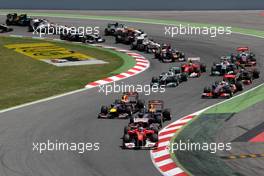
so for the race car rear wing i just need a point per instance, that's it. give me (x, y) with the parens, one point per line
(194, 59)
(243, 49)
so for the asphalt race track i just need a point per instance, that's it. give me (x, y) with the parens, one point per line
(73, 118)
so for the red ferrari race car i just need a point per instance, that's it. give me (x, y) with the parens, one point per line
(140, 138)
(223, 89)
(124, 108)
(245, 58)
(194, 68)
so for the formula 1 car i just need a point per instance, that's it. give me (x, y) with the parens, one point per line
(194, 68)
(4, 28)
(143, 43)
(140, 138)
(166, 79)
(246, 76)
(91, 38)
(152, 46)
(112, 28)
(172, 78)
(128, 35)
(167, 54)
(46, 27)
(245, 57)
(124, 108)
(144, 119)
(224, 67)
(178, 71)
(223, 89)
(19, 20)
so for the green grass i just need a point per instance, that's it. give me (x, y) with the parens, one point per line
(23, 79)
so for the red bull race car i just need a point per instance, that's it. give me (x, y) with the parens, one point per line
(124, 108)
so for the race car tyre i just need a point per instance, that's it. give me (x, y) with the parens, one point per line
(140, 104)
(106, 32)
(155, 129)
(166, 114)
(255, 74)
(131, 120)
(104, 109)
(203, 68)
(129, 111)
(154, 79)
(158, 120)
(154, 138)
(117, 101)
(8, 22)
(132, 46)
(239, 86)
(184, 77)
(207, 90)
(126, 129)
(117, 40)
(126, 138)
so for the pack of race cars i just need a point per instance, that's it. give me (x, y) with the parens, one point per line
(237, 70)
(145, 120)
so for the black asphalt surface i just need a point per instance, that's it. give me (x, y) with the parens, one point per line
(73, 118)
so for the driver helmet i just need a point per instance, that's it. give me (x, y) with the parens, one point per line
(124, 98)
(140, 115)
(152, 108)
(222, 82)
(140, 129)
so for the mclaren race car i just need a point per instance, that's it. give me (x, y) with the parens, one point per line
(18, 20)
(124, 108)
(112, 28)
(223, 89)
(5, 28)
(245, 57)
(194, 68)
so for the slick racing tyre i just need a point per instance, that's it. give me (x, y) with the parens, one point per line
(166, 115)
(203, 68)
(239, 86)
(126, 138)
(104, 109)
(154, 138)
